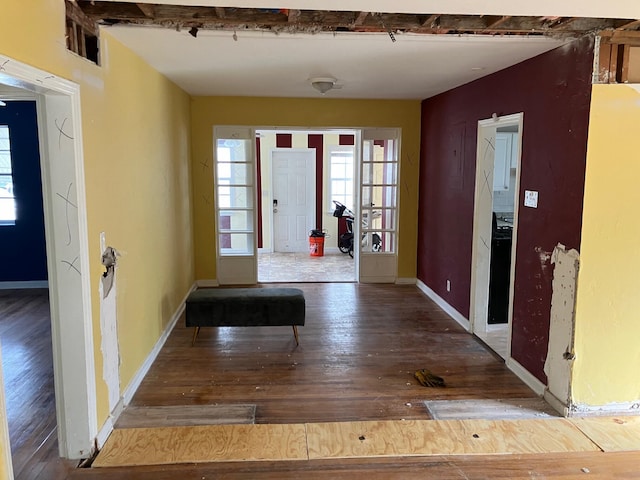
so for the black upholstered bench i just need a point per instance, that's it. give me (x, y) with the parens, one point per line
(245, 307)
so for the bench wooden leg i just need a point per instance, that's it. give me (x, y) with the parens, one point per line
(196, 330)
(295, 334)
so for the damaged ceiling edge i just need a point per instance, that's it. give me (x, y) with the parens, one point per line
(278, 20)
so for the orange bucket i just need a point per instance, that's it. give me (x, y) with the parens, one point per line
(316, 246)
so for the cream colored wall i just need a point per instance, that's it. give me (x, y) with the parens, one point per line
(312, 113)
(329, 222)
(607, 305)
(136, 136)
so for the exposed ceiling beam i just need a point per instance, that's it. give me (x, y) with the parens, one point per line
(312, 21)
(361, 18)
(147, 9)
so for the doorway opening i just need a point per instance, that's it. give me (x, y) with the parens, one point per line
(300, 173)
(358, 164)
(495, 230)
(67, 251)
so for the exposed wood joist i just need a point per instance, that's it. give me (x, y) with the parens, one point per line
(494, 22)
(312, 21)
(147, 9)
(294, 16)
(76, 14)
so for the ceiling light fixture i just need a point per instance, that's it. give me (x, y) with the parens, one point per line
(323, 84)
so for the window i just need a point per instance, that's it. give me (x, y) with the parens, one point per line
(341, 176)
(7, 199)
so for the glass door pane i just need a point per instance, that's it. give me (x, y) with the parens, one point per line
(379, 205)
(235, 205)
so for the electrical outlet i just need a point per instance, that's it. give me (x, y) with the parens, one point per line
(448, 285)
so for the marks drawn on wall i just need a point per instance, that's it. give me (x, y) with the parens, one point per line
(205, 165)
(66, 209)
(61, 132)
(3, 65)
(71, 265)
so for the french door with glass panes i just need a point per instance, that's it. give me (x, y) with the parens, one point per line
(378, 224)
(234, 184)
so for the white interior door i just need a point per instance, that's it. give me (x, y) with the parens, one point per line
(376, 227)
(294, 198)
(486, 186)
(234, 185)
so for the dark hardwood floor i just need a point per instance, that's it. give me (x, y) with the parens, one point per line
(357, 354)
(27, 363)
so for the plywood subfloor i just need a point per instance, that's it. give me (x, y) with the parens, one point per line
(444, 437)
(611, 434)
(186, 415)
(211, 443)
(499, 409)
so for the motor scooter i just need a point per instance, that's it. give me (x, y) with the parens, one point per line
(345, 241)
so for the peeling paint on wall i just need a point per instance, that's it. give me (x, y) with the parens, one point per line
(109, 328)
(560, 354)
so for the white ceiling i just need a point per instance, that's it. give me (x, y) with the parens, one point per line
(366, 65)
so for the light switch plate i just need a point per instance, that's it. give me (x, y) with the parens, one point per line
(530, 199)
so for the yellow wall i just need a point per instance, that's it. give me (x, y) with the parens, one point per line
(136, 136)
(608, 305)
(313, 113)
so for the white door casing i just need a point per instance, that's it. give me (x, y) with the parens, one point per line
(482, 223)
(294, 198)
(59, 128)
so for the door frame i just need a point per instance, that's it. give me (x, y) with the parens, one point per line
(66, 233)
(482, 221)
(310, 168)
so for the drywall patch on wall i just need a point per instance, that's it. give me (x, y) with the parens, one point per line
(560, 353)
(109, 328)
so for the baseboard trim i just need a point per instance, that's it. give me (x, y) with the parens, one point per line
(103, 434)
(556, 403)
(523, 374)
(448, 309)
(406, 281)
(611, 409)
(135, 382)
(20, 285)
(206, 283)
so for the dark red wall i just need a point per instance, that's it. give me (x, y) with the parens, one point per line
(554, 92)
